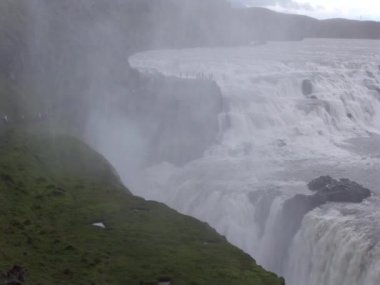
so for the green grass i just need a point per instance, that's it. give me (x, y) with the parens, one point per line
(52, 188)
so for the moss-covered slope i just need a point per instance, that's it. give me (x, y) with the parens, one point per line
(53, 188)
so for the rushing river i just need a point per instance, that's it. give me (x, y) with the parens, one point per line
(273, 140)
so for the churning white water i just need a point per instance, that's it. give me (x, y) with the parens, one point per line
(273, 139)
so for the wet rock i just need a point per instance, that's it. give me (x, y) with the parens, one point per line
(320, 182)
(326, 189)
(344, 190)
(307, 87)
(170, 110)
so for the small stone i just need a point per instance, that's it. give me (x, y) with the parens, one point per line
(99, 225)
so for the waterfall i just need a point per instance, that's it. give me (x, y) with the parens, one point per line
(273, 140)
(337, 246)
(233, 151)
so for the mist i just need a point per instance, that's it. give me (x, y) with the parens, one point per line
(199, 105)
(77, 66)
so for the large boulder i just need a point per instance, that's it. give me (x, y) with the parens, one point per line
(320, 182)
(344, 190)
(326, 189)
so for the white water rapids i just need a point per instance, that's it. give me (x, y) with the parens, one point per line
(273, 140)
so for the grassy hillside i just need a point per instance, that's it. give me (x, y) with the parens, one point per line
(53, 188)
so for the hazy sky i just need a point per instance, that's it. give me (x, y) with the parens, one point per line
(353, 9)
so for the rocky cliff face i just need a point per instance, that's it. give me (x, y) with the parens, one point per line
(180, 117)
(165, 119)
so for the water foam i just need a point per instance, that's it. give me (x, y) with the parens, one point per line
(272, 139)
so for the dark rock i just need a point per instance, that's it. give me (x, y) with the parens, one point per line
(307, 87)
(344, 190)
(298, 206)
(327, 189)
(320, 182)
(170, 111)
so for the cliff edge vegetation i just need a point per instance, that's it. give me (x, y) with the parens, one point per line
(66, 218)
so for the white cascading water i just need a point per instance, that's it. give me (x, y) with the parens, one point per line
(273, 140)
(337, 246)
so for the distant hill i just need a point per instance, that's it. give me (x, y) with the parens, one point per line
(146, 24)
(271, 25)
(342, 28)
